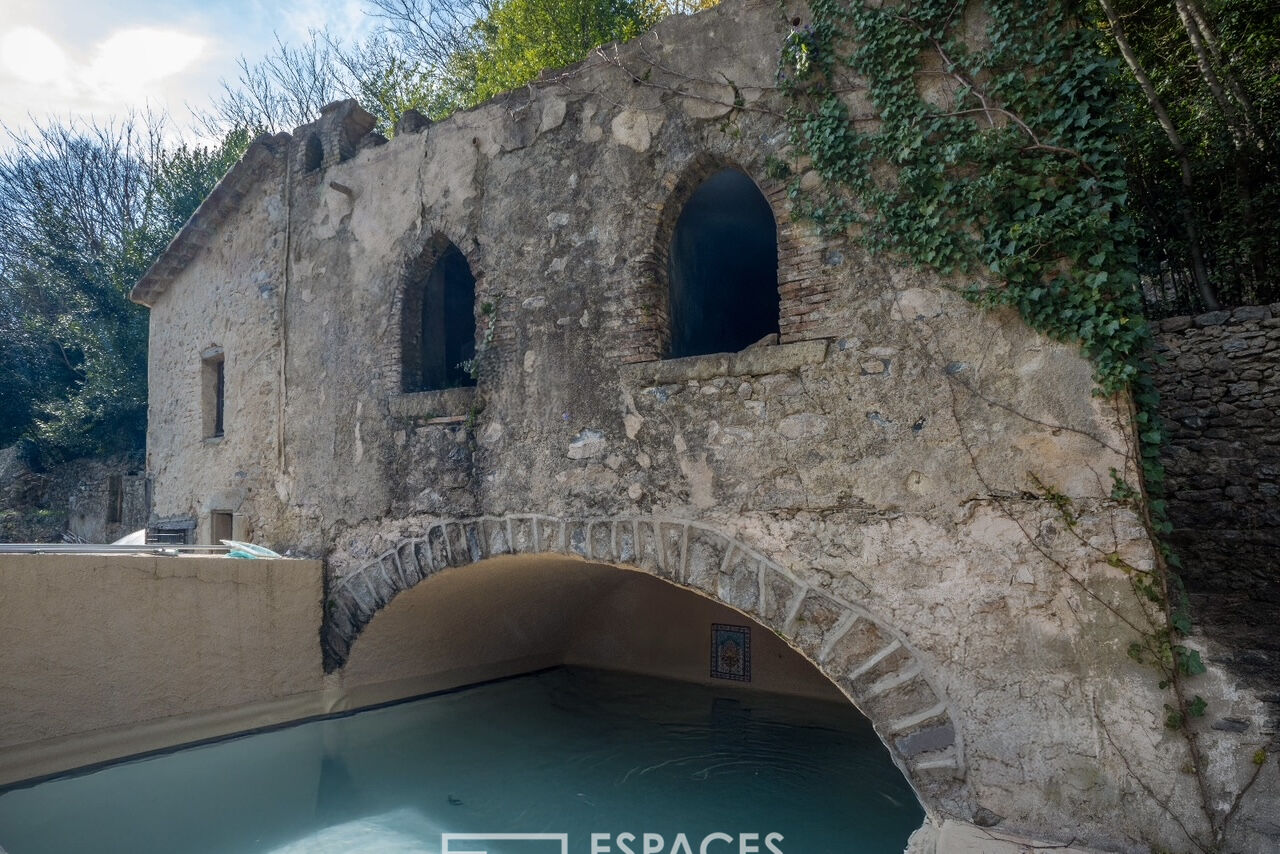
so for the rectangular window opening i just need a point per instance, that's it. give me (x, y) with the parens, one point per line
(176, 532)
(220, 383)
(213, 393)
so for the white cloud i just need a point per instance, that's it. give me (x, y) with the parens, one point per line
(128, 63)
(130, 68)
(32, 56)
(70, 58)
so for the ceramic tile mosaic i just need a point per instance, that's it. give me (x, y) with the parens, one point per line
(730, 652)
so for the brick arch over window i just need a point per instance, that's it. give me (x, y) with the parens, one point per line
(645, 333)
(437, 319)
(872, 663)
(722, 268)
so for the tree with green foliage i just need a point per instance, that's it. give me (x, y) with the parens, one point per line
(1203, 149)
(521, 38)
(84, 210)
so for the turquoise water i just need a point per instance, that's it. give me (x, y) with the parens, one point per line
(574, 752)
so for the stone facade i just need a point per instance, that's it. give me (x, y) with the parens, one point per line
(1220, 394)
(83, 500)
(1220, 391)
(871, 484)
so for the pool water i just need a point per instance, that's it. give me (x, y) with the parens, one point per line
(568, 751)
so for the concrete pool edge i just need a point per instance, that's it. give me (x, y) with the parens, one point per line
(34, 762)
(81, 753)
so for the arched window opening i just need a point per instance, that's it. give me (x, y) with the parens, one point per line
(313, 156)
(439, 326)
(723, 268)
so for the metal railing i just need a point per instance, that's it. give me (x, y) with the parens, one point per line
(108, 548)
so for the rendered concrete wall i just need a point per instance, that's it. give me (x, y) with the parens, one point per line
(890, 454)
(111, 656)
(509, 617)
(646, 625)
(105, 656)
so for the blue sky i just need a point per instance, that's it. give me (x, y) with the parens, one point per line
(61, 58)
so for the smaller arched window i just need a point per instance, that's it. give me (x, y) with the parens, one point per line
(722, 268)
(438, 324)
(313, 154)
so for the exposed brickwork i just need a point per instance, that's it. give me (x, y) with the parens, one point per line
(640, 319)
(805, 282)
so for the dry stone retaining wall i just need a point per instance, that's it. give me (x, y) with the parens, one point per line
(1220, 390)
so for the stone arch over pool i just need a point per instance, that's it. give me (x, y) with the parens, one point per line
(870, 661)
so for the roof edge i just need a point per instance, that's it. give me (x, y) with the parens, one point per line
(197, 231)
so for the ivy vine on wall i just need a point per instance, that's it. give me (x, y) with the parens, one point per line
(995, 163)
(979, 140)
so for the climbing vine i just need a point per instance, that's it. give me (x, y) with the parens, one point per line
(995, 164)
(980, 142)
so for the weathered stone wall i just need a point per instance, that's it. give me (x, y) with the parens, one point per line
(883, 467)
(232, 303)
(86, 500)
(1220, 390)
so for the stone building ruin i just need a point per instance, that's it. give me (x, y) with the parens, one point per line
(851, 461)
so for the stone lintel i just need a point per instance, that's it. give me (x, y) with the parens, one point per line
(754, 361)
(447, 405)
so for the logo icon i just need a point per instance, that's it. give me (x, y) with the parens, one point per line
(478, 843)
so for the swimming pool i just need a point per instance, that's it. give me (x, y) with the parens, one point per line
(602, 758)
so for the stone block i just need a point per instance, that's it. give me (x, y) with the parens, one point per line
(739, 584)
(671, 542)
(1247, 313)
(495, 537)
(1211, 318)
(578, 542)
(817, 617)
(600, 539)
(779, 596)
(649, 549)
(926, 740)
(625, 534)
(551, 536)
(704, 555)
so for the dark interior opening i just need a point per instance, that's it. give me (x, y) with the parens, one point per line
(115, 499)
(440, 331)
(723, 268)
(313, 157)
(220, 396)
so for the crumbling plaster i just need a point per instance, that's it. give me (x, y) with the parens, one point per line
(891, 451)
